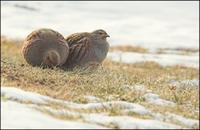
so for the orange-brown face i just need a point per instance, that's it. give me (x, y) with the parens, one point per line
(100, 34)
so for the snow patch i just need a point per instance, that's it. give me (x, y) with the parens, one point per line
(121, 122)
(121, 105)
(182, 120)
(149, 96)
(16, 115)
(138, 88)
(125, 122)
(20, 95)
(155, 99)
(162, 59)
(176, 52)
(170, 117)
(151, 25)
(92, 99)
(185, 83)
(20, 116)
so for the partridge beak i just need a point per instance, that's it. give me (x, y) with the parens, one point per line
(107, 35)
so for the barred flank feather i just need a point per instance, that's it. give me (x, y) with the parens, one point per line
(83, 48)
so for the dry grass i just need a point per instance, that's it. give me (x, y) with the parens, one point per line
(138, 49)
(180, 51)
(128, 48)
(107, 80)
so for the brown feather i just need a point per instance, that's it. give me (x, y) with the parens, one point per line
(78, 51)
(75, 38)
(86, 48)
(45, 47)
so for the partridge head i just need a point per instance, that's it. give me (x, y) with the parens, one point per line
(99, 34)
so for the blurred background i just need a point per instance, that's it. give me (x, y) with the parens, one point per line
(147, 24)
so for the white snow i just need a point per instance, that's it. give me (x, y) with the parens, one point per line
(170, 117)
(151, 25)
(162, 59)
(138, 88)
(149, 96)
(122, 122)
(125, 122)
(92, 99)
(20, 95)
(22, 115)
(138, 109)
(182, 120)
(16, 94)
(155, 99)
(178, 52)
(110, 105)
(168, 24)
(185, 83)
(24, 96)
(196, 110)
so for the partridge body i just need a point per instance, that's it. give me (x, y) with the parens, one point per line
(87, 48)
(46, 48)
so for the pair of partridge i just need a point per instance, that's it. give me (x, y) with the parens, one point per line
(48, 48)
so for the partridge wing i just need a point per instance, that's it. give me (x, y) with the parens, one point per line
(78, 51)
(76, 38)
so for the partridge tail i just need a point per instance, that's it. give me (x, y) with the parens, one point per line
(51, 58)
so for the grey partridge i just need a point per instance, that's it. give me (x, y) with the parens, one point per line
(86, 48)
(45, 48)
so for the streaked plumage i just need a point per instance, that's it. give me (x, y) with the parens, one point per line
(86, 48)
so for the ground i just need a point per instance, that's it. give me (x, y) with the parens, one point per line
(143, 92)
